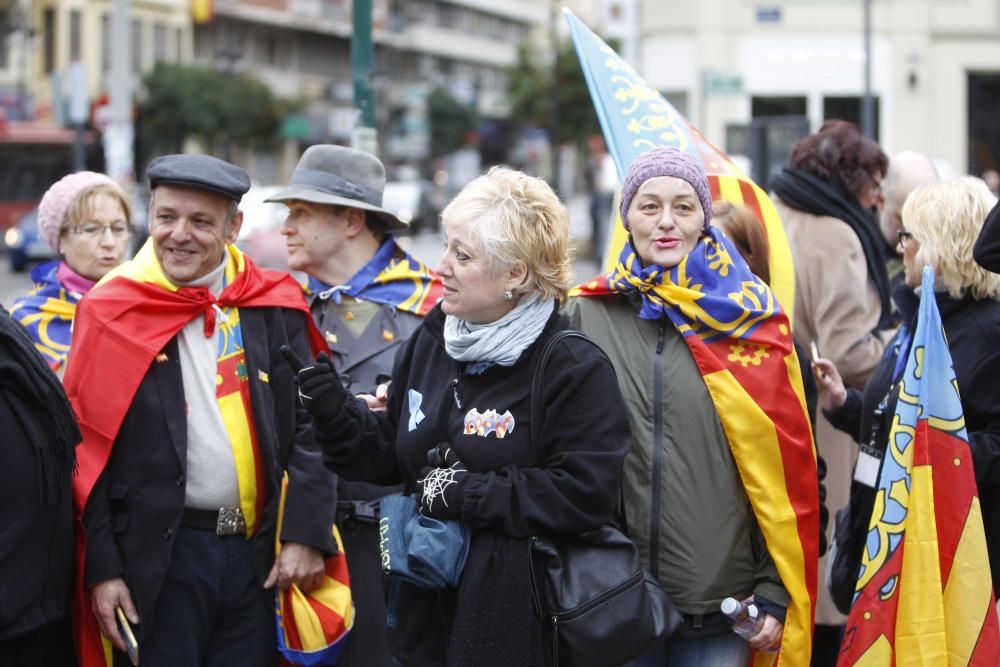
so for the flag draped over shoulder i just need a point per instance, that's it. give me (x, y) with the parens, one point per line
(741, 340)
(120, 327)
(925, 594)
(47, 313)
(636, 118)
(392, 277)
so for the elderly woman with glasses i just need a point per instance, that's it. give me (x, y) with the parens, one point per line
(940, 225)
(705, 361)
(86, 218)
(457, 426)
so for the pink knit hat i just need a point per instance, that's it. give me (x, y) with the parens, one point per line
(666, 161)
(57, 199)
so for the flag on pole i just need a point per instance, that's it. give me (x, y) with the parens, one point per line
(202, 11)
(925, 594)
(635, 118)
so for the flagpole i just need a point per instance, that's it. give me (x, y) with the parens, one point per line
(868, 102)
(554, 111)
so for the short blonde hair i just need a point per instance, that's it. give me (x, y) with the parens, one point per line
(517, 218)
(82, 206)
(945, 219)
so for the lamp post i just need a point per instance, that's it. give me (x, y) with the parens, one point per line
(867, 101)
(364, 136)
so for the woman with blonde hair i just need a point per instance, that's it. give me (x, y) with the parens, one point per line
(87, 219)
(457, 426)
(940, 225)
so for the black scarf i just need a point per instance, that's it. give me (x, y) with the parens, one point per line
(41, 406)
(806, 192)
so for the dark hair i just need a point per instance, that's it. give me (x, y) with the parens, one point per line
(741, 225)
(839, 151)
(375, 224)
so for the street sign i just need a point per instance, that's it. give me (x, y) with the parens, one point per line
(720, 84)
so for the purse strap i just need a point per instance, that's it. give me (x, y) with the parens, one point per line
(536, 381)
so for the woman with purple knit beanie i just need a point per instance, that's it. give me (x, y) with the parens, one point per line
(673, 315)
(86, 218)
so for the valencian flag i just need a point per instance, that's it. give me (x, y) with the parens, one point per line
(925, 594)
(392, 277)
(635, 117)
(47, 313)
(738, 333)
(313, 628)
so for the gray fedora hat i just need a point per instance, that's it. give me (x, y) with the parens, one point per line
(339, 176)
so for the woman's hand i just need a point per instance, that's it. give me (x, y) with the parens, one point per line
(832, 392)
(377, 402)
(769, 637)
(320, 389)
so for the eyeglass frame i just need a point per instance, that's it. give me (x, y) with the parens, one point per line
(903, 235)
(78, 230)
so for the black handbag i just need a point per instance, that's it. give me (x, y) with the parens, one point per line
(602, 607)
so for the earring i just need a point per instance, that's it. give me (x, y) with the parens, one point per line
(508, 295)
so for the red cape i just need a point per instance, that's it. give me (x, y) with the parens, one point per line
(119, 328)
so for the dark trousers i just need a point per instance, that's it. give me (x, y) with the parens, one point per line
(367, 645)
(211, 611)
(48, 646)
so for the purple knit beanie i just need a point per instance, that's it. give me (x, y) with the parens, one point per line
(57, 199)
(666, 161)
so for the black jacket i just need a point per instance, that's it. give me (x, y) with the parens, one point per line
(571, 486)
(36, 539)
(972, 329)
(987, 249)
(134, 510)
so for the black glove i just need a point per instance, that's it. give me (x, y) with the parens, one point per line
(320, 389)
(440, 485)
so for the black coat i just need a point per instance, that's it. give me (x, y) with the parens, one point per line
(36, 539)
(972, 329)
(135, 507)
(987, 249)
(571, 486)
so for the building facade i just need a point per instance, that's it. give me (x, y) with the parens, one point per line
(935, 68)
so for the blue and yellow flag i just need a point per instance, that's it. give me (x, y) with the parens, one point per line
(47, 313)
(392, 277)
(635, 118)
(925, 593)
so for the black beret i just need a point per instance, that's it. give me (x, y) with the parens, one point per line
(199, 171)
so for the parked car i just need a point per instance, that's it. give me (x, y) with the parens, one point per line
(24, 247)
(260, 237)
(413, 201)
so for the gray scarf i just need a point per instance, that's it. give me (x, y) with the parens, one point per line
(500, 342)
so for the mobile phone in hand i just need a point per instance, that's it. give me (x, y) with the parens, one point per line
(125, 630)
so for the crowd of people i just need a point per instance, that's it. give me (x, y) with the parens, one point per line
(173, 419)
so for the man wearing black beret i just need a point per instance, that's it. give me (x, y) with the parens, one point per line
(190, 421)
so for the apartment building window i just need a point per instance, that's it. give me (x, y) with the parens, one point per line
(49, 40)
(847, 108)
(159, 42)
(136, 46)
(761, 106)
(105, 42)
(75, 36)
(5, 30)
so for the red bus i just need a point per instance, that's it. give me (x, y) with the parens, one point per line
(33, 156)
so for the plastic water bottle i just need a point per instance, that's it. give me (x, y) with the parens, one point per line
(747, 618)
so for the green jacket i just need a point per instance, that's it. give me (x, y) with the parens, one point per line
(694, 526)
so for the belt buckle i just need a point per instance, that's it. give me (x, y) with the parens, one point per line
(230, 522)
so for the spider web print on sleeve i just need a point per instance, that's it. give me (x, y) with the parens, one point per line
(436, 482)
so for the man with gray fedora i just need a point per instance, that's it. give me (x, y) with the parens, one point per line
(366, 296)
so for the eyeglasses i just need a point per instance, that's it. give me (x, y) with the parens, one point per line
(904, 236)
(92, 230)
